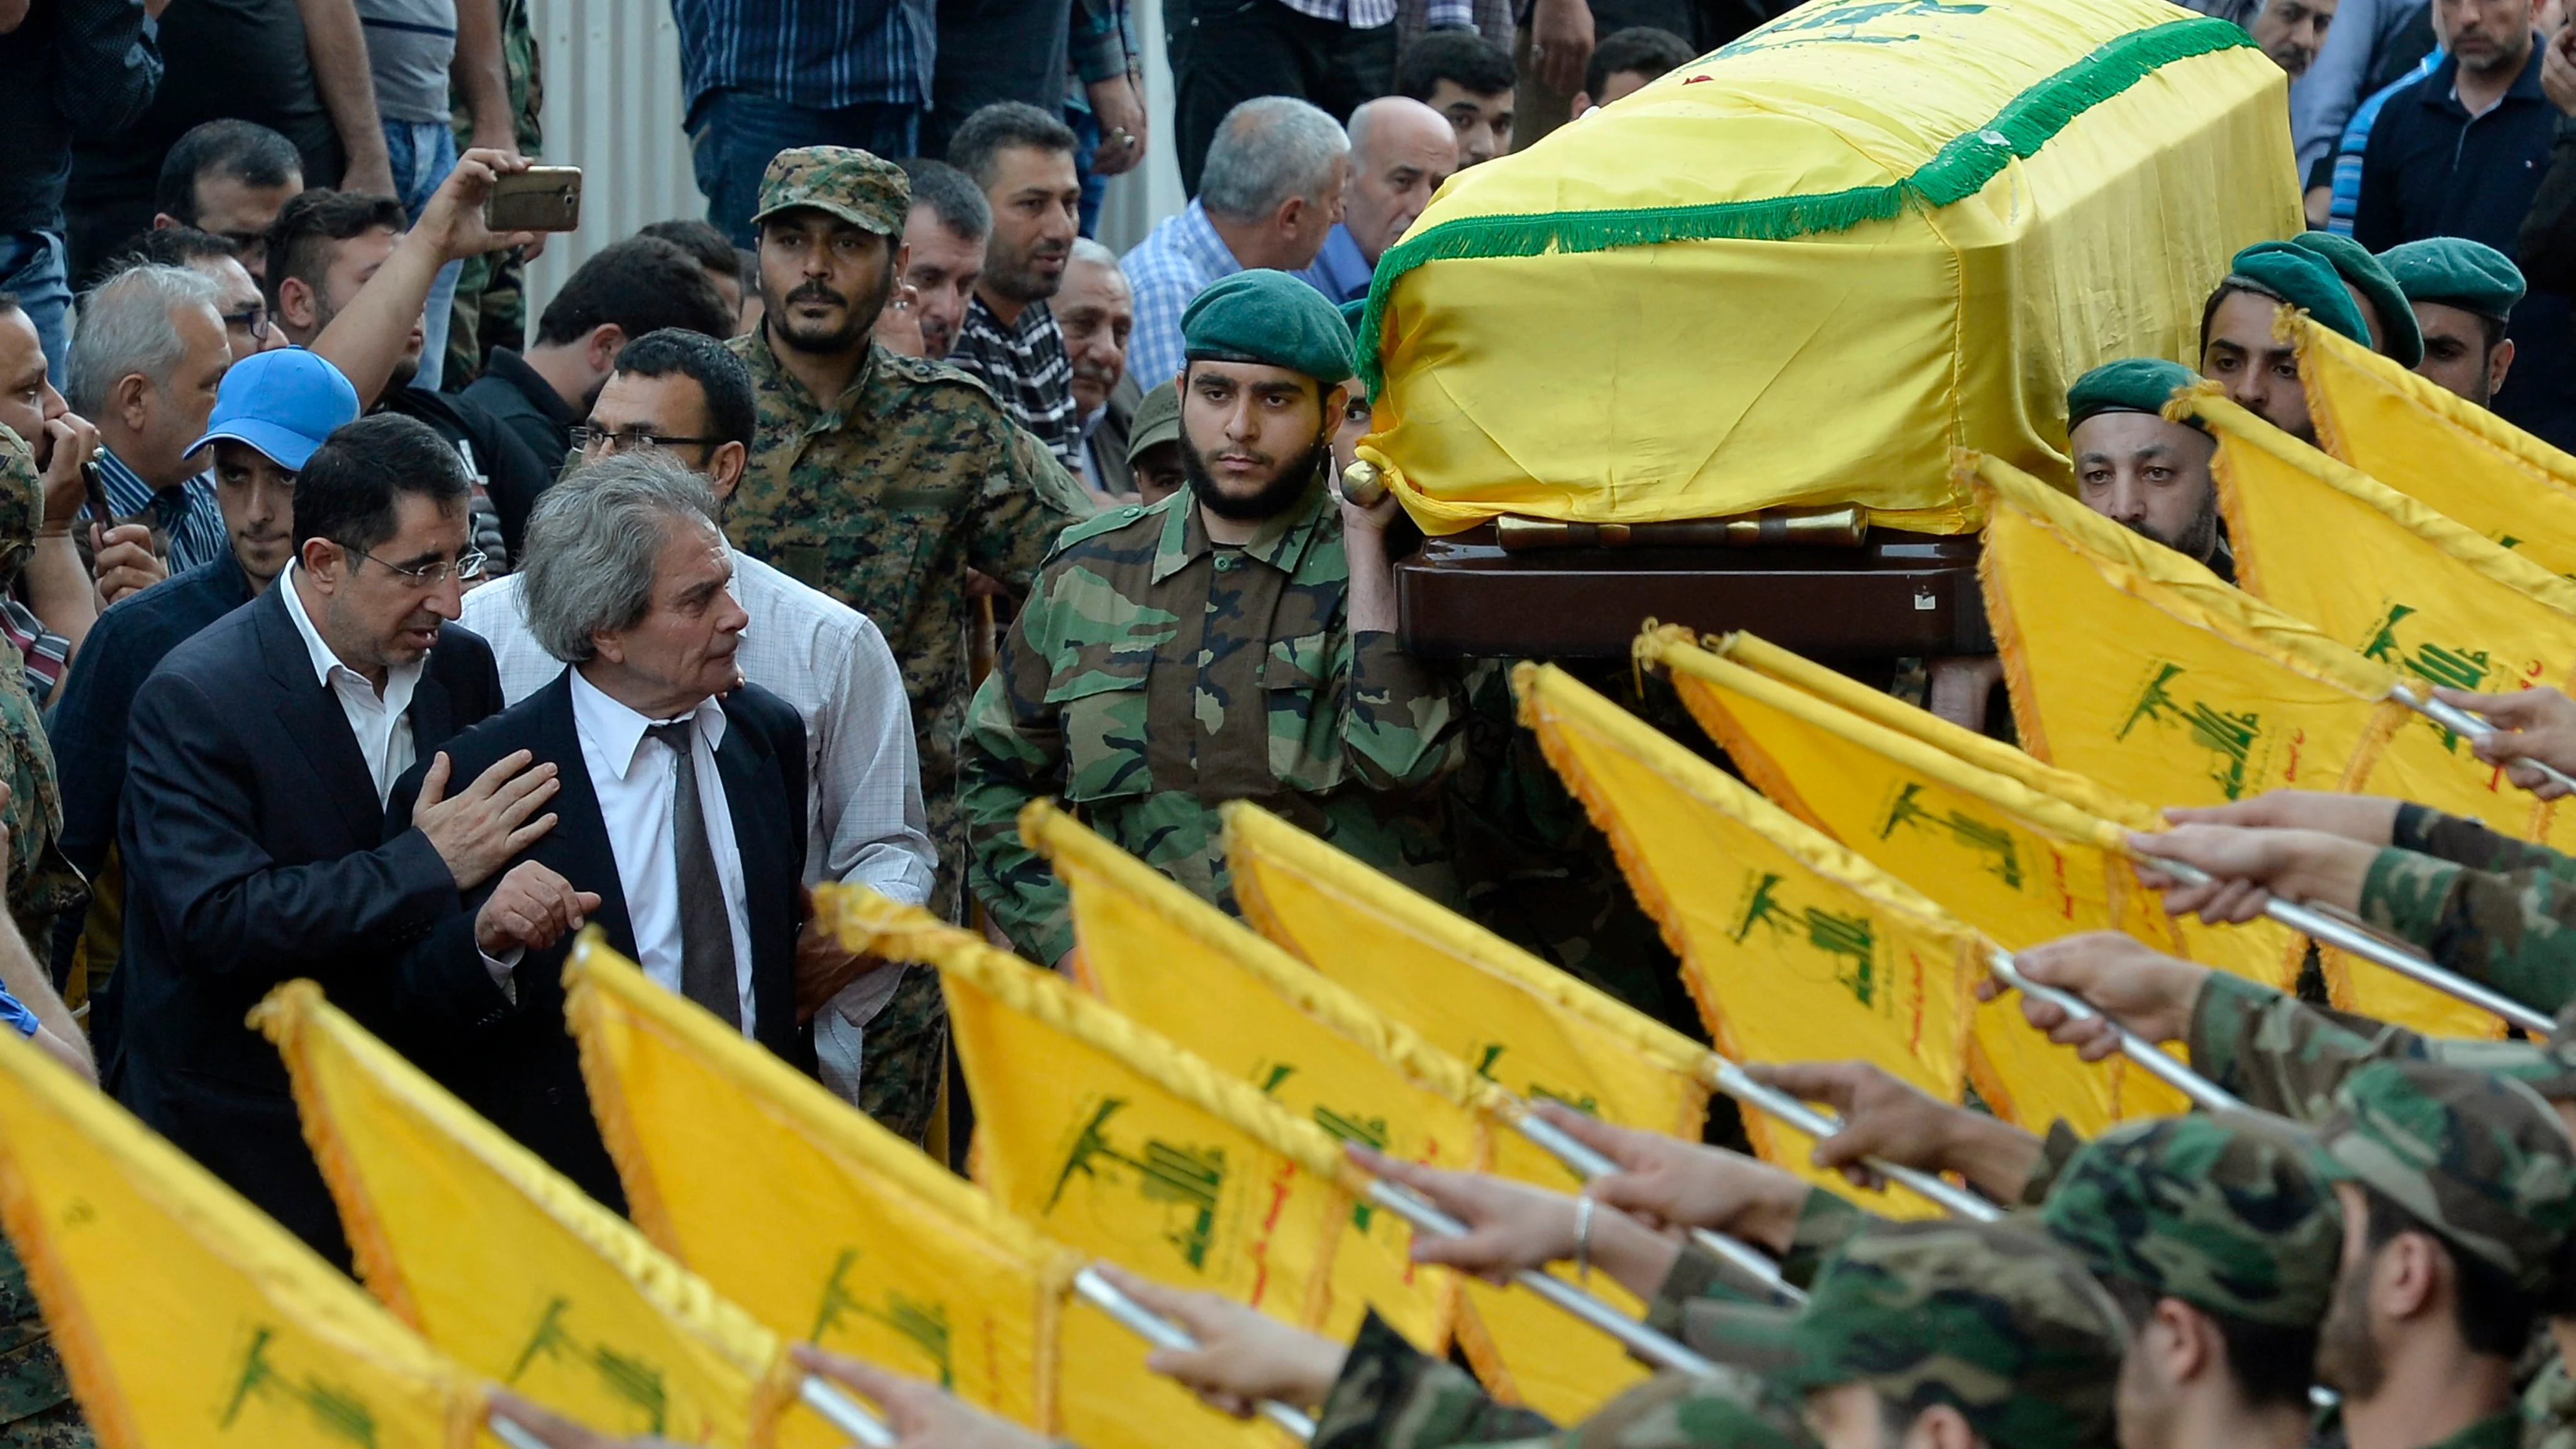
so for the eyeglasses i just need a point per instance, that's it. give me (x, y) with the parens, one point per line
(431, 575)
(252, 319)
(587, 439)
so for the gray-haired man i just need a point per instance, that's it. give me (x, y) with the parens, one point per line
(878, 1037)
(680, 826)
(144, 365)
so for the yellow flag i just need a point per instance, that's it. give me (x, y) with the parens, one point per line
(1795, 948)
(2135, 666)
(1176, 965)
(864, 1245)
(182, 1313)
(2020, 865)
(2259, 949)
(1537, 1030)
(502, 1263)
(2437, 447)
(1115, 1141)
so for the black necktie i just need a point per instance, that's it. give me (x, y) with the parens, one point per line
(706, 932)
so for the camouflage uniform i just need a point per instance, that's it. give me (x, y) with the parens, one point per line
(2493, 909)
(2281, 1055)
(36, 1411)
(491, 308)
(1989, 1318)
(886, 496)
(1154, 675)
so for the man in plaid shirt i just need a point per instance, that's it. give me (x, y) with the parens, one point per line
(1022, 158)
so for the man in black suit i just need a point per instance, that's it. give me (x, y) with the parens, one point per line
(682, 817)
(252, 825)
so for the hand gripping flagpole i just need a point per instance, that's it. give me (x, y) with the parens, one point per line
(2353, 940)
(2203, 1092)
(1739, 1084)
(1649, 1344)
(2463, 722)
(1162, 1332)
(1589, 1164)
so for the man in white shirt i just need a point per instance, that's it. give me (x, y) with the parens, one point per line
(252, 825)
(677, 392)
(682, 818)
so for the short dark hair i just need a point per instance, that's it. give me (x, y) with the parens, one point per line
(1640, 48)
(1479, 66)
(2209, 309)
(1004, 126)
(2492, 329)
(2495, 1316)
(248, 152)
(347, 490)
(2271, 1363)
(312, 222)
(639, 285)
(951, 195)
(732, 415)
(709, 248)
(172, 246)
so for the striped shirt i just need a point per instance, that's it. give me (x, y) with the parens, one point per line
(1026, 367)
(2356, 140)
(821, 54)
(1370, 14)
(1177, 260)
(187, 515)
(45, 651)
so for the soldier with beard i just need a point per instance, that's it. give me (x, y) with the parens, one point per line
(1234, 641)
(2134, 467)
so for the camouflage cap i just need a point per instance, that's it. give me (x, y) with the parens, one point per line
(2226, 1212)
(848, 183)
(1993, 1319)
(2481, 1159)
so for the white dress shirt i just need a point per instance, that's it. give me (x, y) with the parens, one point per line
(382, 723)
(864, 817)
(633, 774)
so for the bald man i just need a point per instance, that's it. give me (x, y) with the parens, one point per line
(1401, 150)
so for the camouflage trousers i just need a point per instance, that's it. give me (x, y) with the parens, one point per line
(905, 1056)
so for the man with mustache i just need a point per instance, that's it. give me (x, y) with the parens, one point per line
(881, 479)
(1234, 641)
(1022, 158)
(2142, 472)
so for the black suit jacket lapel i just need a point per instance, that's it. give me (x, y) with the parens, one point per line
(315, 721)
(753, 799)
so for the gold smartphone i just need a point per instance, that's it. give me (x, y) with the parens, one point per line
(541, 198)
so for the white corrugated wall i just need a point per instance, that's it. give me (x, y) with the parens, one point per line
(613, 108)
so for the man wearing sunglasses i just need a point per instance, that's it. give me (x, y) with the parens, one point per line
(260, 756)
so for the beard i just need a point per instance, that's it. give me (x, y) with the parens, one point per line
(2348, 1358)
(1016, 275)
(2197, 541)
(1275, 497)
(858, 316)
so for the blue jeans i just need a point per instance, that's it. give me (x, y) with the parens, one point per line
(423, 152)
(734, 134)
(31, 265)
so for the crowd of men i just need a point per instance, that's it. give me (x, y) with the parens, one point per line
(363, 633)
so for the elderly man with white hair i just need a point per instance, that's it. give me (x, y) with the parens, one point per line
(1271, 190)
(1097, 310)
(145, 361)
(1401, 150)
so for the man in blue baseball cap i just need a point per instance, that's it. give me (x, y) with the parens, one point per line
(272, 410)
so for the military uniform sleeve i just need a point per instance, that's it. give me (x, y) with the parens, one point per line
(2279, 1054)
(2427, 831)
(1026, 503)
(1392, 1396)
(2510, 930)
(1012, 753)
(1825, 1221)
(1403, 719)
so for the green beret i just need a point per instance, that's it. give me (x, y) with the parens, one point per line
(2130, 385)
(2453, 271)
(1157, 420)
(2367, 275)
(1270, 318)
(2301, 278)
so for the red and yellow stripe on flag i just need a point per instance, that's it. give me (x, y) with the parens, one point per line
(2439, 448)
(1795, 948)
(504, 1264)
(186, 1316)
